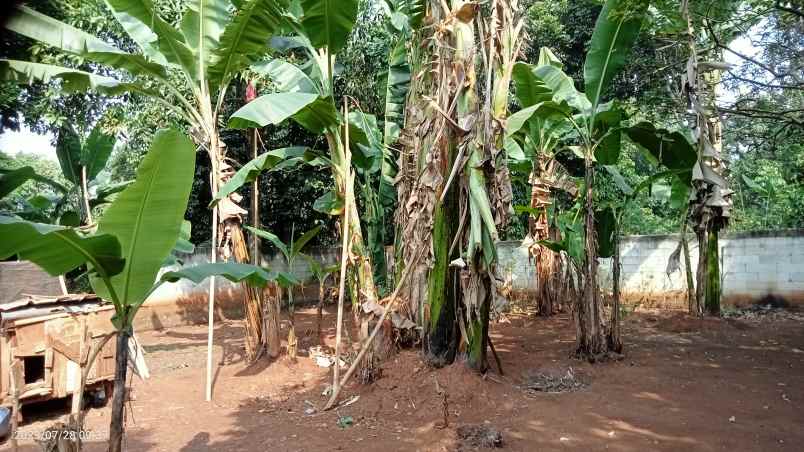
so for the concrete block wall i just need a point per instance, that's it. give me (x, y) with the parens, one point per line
(754, 266)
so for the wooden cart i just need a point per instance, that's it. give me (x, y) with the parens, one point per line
(47, 339)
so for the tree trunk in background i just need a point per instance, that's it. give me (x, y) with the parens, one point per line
(319, 313)
(685, 248)
(253, 308)
(615, 342)
(85, 197)
(117, 423)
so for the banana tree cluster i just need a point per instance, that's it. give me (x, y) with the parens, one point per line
(305, 93)
(81, 159)
(594, 133)
(453, 183)
(187, 68)
(532, 150)
(125, 252)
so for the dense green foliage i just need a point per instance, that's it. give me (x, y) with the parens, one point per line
(763, 148)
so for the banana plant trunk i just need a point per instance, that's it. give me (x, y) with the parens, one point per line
(590, 343)
(453, 192)
(615, 342)
(117, 423)
(546, 259)
(319, 312)
(713, 274)
(710, 208)
(364, 294)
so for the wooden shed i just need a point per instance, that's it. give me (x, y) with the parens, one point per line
(48, 337)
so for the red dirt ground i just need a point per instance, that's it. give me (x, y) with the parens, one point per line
(685, 384)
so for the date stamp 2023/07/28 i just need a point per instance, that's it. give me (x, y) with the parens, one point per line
(50, 435)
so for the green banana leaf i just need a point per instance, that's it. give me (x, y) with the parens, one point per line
(330, 203)
(202, 24)
(96, 151)
(234, 272)
(287, 77)
(106, 193)
(163, 42)
(47, 30)
(245, 38)
(68, 152)
(72, 80)
(269, 161)
(299, 244)
(273, 238)
(528, 88)
(328, 23)
(309, 110)
(10, 180)
(671, 149)
(58, 249)
(365, 141)
(615, 32)
(147, 216)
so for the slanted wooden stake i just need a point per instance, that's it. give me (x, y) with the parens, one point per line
(337, 385)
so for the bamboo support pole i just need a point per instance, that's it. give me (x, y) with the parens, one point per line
(211, 308)
(344, 261)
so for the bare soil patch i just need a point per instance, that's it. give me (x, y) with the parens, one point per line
(684, 384)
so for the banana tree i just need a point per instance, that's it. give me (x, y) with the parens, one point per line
(81, 161)
(43, 207)
(321, 273)
(124, 255)
(187, 68)
(306, 94)
(453, 184)
(533, 149)
(710, 208)
(596, 132)
(673, 157)
(290, 252)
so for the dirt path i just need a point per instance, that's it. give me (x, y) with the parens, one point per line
(685, 384)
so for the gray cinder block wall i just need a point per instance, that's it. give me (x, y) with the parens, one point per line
(754, 266)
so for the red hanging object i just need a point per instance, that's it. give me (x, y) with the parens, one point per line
(251, 92)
